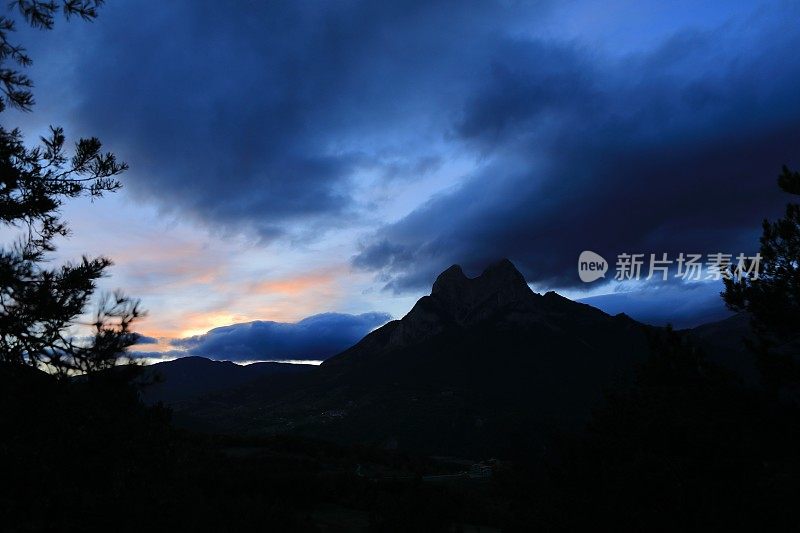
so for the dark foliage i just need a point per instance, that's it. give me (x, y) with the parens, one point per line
(686, 448)
(689, 446)
(41, 305)
(773, 297)
(87, 456)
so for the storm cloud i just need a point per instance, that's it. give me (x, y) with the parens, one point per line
(673, 150)
(507, 129)
(269, 117)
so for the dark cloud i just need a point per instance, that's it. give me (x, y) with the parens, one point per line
(259, 115)
(316, 337)
(264, 116)
(144, 339)
(673, 150)
(681, 305)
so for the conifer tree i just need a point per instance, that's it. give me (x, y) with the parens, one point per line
(41, 306)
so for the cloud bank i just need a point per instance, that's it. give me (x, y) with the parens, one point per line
(315, 337)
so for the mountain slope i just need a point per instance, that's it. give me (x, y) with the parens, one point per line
(192, 377)
(723, 343)
(491, 333)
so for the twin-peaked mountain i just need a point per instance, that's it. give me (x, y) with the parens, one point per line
(481, 365)
(493, 330)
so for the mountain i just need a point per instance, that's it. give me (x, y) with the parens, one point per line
(480, 366)
(193, 377)
(723, 343)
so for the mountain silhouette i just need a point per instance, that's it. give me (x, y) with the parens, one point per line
(724, 343)
(193, 377)
(482, 365)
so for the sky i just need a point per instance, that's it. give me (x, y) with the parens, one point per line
(300, 172)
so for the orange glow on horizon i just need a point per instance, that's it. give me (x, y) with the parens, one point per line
(286, 299)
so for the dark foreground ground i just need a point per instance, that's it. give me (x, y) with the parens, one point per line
(686, 447)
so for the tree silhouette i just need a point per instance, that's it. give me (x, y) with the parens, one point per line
(773, 297)
(40, 306)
